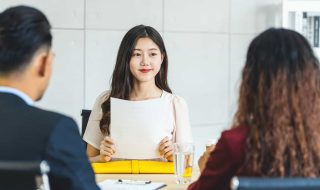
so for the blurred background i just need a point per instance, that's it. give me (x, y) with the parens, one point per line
(206, 42)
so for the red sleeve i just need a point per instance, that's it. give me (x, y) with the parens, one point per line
(222, 165)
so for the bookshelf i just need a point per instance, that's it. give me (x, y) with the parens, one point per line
(303, 16)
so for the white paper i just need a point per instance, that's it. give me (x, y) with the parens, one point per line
(137, 127)
(114, 185)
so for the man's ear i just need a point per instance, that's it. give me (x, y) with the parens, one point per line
(43, 63)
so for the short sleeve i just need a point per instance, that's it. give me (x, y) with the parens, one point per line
(182, 122)
(93, 134)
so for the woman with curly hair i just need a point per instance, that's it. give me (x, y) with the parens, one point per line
(276, 130)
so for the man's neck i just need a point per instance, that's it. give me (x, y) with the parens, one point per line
(16, 92)
(18, 85)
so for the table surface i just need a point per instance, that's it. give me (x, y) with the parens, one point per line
(168, 179)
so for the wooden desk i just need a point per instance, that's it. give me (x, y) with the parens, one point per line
(164, 178)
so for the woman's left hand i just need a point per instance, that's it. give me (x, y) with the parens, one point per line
(204, 158)
(166, 148)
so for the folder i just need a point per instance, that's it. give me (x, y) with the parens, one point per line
(133, 167)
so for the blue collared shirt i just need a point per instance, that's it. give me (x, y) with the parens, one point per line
(18, 93)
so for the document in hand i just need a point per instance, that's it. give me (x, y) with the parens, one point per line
(129, 185)
(137, 127)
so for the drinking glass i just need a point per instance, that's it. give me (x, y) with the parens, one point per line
(183, 154)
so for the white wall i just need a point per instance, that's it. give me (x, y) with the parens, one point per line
(206, 42)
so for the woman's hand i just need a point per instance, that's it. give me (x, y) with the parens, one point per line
(204, 158)
(166, 148)
(107, 149)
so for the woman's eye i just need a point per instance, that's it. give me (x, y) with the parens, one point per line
(136, 54)
(153, 54)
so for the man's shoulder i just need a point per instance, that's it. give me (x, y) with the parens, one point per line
(50, 119)
(48, 114)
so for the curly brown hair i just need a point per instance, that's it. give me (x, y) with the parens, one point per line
(279, 102)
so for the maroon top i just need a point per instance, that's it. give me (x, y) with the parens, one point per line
(224, 162)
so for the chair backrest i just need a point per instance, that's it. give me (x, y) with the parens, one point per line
(85, 114)
(261, 183)
(26, 175)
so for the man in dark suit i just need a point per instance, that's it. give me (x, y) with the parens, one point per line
(27, 132)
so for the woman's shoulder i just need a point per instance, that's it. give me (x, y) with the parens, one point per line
(237, 133)
(176, 99)
(235, 138)
(103, 96)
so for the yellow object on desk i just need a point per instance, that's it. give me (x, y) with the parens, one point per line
(133, 167)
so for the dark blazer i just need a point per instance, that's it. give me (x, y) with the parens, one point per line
(224, 162)
(30, 133)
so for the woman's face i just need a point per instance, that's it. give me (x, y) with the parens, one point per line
(146, 60)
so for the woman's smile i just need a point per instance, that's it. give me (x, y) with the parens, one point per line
(145, 70)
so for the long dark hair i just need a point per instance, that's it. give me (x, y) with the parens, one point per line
(122, 79)
(280, 104)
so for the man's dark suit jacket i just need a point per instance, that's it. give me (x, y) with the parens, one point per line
(224, 162)
(30, 133)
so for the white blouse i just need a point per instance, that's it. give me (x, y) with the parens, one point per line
(180, 128)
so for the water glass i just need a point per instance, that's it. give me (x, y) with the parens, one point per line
(183, 154)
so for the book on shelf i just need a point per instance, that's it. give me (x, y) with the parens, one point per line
(316, 32)
(310, 27)
(304, 24)
(307, 24)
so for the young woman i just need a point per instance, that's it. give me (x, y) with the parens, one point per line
(140, 74)
(276, 130)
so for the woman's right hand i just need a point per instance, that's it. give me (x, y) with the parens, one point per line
(107, 149)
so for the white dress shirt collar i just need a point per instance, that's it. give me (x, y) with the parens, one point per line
(18, 93)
